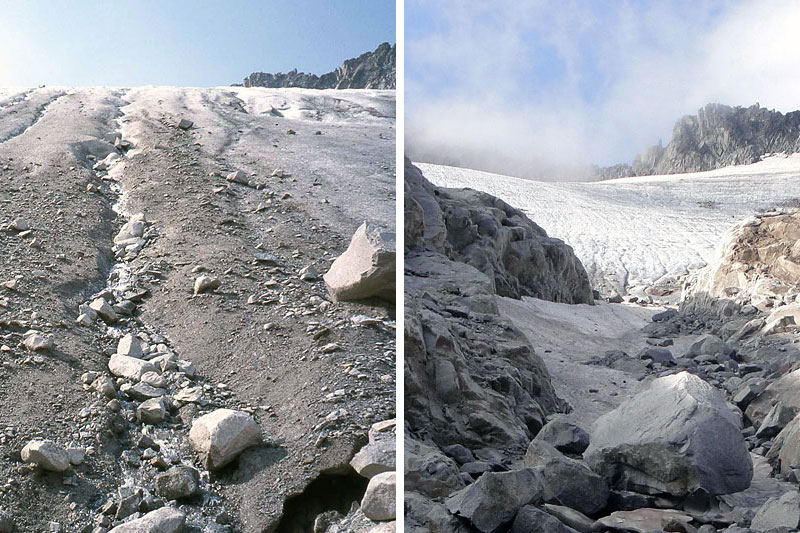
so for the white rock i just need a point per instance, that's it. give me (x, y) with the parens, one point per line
(152, 411)
(237, 177)
(19, 224)
(46, 454)
(379, 500)
(35, 341)
(206, 284)
(103, 310)
(219, 437)
(76, 455)
(129, 367)
(367, 268)
(154, 379)
(130, 346)
(164, 520)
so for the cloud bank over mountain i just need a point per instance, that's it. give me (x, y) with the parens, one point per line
(535, 89)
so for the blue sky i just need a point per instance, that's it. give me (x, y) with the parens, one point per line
(180, 42)
(575, 82)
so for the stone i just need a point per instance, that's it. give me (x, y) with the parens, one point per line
(367, 268)
(564, 436)
(378, 502)
(531, 519)
(460, 453)
(185, 124)
(676, 437)
(641, 520)
(661, 356)
(492, 502)
(130, 346)
(777, 512)
(143, 391)
(237, 176)
(76, 455)
(19, 224)
(429, 471)
(375, 458)
(664, 315)
(105, 386)
(309, 273)
(35, 341)
(710, 345)
(103, 310)
(46, 454)
(152, 411)
(163, 520)
(220, 436)
(572, 518)
(206, 284)
(154, 379)
(132, 229)
(178, 482)
(129, 367)
(567, 481)
(777, 419)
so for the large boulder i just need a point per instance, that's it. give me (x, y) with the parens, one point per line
(786, 447)
(164, 520)
(220, 436)
(531, 519)
(129, 367)
(430, 472)
(367, 268)
(491, 503)
(677, 437)
(566, 481)
(564, 436)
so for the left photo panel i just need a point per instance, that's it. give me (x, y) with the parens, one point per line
(197, 267)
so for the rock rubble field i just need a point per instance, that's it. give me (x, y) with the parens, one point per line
(532, 407)
(171, 356)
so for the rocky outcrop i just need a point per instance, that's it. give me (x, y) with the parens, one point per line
(718, 136)
(758, 263)
(474, 386)
(371, 70)
(498, 240)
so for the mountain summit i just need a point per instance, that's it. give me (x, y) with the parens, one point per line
(371, 70)
(718, 136)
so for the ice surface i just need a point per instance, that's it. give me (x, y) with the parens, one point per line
(633, 231)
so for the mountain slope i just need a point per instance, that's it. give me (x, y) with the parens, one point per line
(371, 70)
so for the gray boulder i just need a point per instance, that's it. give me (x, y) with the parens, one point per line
(565, 437)
(778, 512)
(676, 437)
(178, 482)
(47, 455)
(378, 502)
(492, 502)
(566, 481)
(429, 471)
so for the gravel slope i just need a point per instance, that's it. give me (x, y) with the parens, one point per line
(333, 181)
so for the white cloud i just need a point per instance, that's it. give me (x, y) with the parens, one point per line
(650, 66)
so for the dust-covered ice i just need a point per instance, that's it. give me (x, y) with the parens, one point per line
(633, 231)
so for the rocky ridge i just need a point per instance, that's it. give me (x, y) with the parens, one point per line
(717, 136)
(371, 70)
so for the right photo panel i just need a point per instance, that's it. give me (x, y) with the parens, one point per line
(602, 267)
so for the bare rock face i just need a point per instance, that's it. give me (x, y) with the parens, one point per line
(499, 240)
(371, 70)
(717, 136)
(367, 268)
(758, 262)
(220, 436)
(677, 437)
